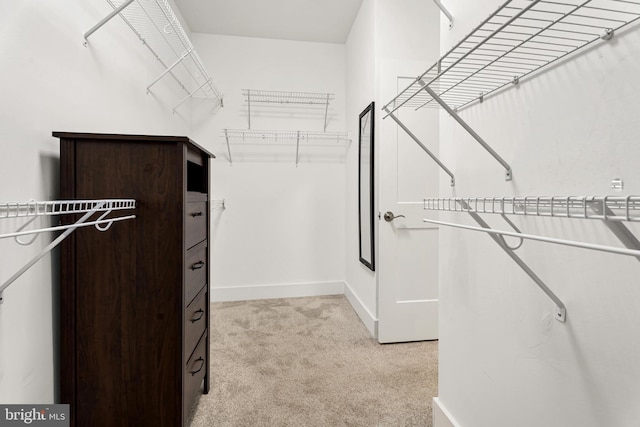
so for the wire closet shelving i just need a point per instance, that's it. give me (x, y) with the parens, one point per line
(157, 26)
(520, 38)
(517, 40)
(606, 208)
(32, 210)
(301, 137)
(250, 136)
(288, 98)
(612, 210)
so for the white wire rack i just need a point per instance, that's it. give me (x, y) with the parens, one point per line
(288, 98)
(613, 210)
(284, 97)
(34, 209)
(608, 208)
(518, 39)
(249, 136)
(157, 26)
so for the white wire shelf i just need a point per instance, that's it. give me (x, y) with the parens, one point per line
(608, 208)
(157, 26)
(59, 207)
(284, 97)
(613, 210)
(250, 136)
(34, 209)
(521, 37)
(288, 98)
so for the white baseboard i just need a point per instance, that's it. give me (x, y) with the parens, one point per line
(441, 416)
(368, 319)
(290, 290)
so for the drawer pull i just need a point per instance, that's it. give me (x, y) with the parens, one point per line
(201, 360)
(195, 214)
(198, 265)
(195, 319)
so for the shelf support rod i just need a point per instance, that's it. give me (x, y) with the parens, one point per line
(326, 112)
(104, 20)
(190, 95)
(171, 67)
(426, 150)
(68, 230)
(469, 129)
(297, 147)
(617, 228)
(249, 106)
(561, 310)
(226, 136)
(445, 12)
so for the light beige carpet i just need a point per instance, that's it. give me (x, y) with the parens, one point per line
(311, 362)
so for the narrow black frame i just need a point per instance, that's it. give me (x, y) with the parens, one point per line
(365, 187)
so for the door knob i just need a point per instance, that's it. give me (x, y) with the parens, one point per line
(389, 216)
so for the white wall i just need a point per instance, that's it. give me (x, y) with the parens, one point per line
(50, 82)
(361, 91)
(389, 39)
(504, 360)
(282, 232)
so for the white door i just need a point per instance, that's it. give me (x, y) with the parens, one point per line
(407, 247)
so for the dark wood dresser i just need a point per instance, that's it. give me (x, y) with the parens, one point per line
(134, 300)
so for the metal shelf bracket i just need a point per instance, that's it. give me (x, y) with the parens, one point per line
(168, 70)
(35, 209)
(417, 141)
(560, 312)
(445, 12)
(104, 20)
(508, 175)
(612, 210)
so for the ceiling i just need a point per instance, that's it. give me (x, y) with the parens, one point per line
(327, 21)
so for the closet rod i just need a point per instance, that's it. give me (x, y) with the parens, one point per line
(602, 248)
(107, 221)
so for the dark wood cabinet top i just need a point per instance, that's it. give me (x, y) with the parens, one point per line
(79, 136)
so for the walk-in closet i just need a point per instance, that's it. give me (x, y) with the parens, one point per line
(299, 213)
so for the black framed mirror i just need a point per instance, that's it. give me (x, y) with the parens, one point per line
(365, 186)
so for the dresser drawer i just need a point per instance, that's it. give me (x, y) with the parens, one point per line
(195, 271)
(195, 322)
(195, 223)
(194, 373)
